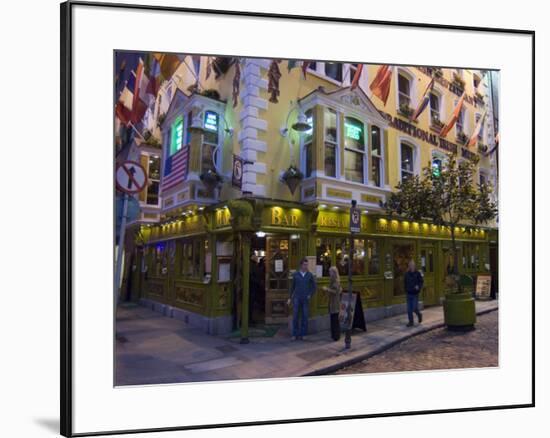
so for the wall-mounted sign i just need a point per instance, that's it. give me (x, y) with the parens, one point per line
(283, 217)
(354, 220)
(211, 121)
(237, 175)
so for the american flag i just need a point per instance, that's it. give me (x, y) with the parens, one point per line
(175, 169)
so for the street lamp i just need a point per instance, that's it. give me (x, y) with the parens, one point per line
(301, 124)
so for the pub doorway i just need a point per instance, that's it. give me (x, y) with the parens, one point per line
(257, 280)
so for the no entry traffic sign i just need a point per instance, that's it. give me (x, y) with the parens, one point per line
(130, 177)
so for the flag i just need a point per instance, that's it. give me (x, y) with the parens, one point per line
(380, 85)
(154, 81)
(123, 113)
(196, 65)
(138, 105)
(424, 101)
(358, 72)
(454, 117)
(169, 63)
(473, 139)
(175, 169)
(305, 65)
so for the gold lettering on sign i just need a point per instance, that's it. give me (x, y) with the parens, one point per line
(280, 218)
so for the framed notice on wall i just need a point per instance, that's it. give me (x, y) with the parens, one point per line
(206, 82)
(483, 286)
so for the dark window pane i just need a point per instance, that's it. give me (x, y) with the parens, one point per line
(376, 142)
(330, 159)
(324, 255)
(308, 159)
(334, 70)
(376, 171)
(407, 158)
(353, 166)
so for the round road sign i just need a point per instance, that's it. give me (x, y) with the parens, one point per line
(130, 177)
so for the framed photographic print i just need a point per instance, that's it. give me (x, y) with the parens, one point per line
(210, 164)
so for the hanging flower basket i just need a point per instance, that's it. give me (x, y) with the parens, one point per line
(210, 179)
(462, 138)
(292, 178)
(406, 110)
(482, 148)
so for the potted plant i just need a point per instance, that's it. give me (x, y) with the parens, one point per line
(461, 137)
(292, 177)
(436, 124)
(439, 197)
(482, 148)
(458, 81)
(406, 110)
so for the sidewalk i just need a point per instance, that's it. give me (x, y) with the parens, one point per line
(152, 349)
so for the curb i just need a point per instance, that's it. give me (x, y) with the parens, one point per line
(363, 356)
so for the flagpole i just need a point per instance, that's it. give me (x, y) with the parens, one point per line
(136, 131)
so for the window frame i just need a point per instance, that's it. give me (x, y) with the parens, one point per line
(410, 78)
(216, 146)
(336, 144)
(303, 153)
(380, 157)
(363, 152)
(414, 148)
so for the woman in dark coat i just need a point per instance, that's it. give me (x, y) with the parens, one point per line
(334, 290)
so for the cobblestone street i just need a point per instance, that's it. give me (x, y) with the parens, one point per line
(438, 349)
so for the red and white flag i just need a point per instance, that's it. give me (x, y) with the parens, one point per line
(454, 117)
(357, 76)
(473, 139)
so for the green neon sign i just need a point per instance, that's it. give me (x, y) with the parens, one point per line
(352, 131)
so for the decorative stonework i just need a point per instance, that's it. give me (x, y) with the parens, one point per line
(252, 124)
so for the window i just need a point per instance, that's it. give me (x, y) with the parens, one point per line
(404, 90)
(477, 81)
(435, 105)
(324, 255)
(358, 262)
(209, 140)
(341, 256)
(373, 257)
(354, 153)
(427, 260)
(153, 175)
(460, 121)
(190, 266)
(407, 161)
(480, 133)
(187, 131)
(176, 141)
(334, 70)
(331, 141)
(376, 156)
(308, 145)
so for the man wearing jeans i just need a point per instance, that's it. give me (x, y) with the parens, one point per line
(413, 285)
(302, 288)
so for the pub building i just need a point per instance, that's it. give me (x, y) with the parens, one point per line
(221, 255)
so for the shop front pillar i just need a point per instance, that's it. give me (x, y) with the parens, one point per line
(245, 240)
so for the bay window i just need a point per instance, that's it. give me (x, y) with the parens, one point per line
(331, 141)
(210, 140)
(354, 150)
(308, 145)
(376, 156)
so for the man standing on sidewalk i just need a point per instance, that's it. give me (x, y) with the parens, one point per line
(413, 285)
(302, 288)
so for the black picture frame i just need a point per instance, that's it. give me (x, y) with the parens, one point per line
(66, 369)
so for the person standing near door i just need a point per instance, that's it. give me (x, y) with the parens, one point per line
(302, 288)
(413, 285)
(334, 289)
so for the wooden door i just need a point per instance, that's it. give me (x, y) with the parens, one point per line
(277, 282)
(428, 267)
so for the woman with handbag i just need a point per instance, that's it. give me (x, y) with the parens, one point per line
(334, 290)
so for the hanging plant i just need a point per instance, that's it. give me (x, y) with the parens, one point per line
(236, 84)
(292, 178)
(210, 179)
(274, 75)
(239, 208)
